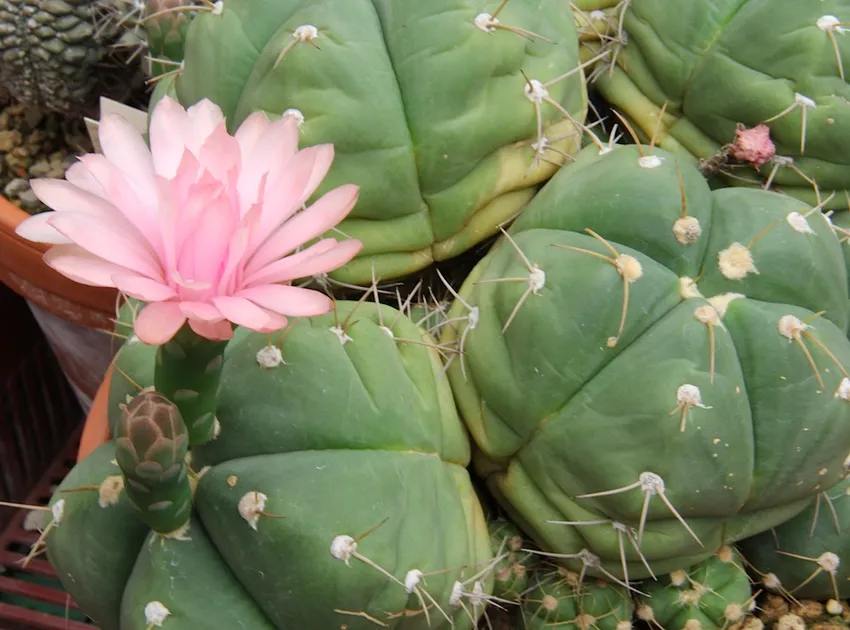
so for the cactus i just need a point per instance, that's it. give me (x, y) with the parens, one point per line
(696, 73)
(559, 598)
(61, 55)
(809, 555)
(714, 594)
(334, 495)
(511, 573)
(447, 114)
(651, 369)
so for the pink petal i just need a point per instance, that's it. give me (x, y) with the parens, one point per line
(323, 164)
(286, 270)
(157, 323)
(242, 312)
(283, 195)
(272, 152)
(220, 152)
(168, 128)
(105, 238)
(319, 247)
(201, 311)
(326, 213)
(141, 213)
(63, 196)
(142, 288)
(276, 322)
(288, 300)
(73, 262)
(250, 131)
(37, 229)
(204, 116)
(215, 331)
(123, 146)
(204, 252)
(79, 176)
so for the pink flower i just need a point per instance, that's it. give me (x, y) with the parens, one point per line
(202, 226)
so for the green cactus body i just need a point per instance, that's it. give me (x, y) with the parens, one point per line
(166, 23)
(335, 495)
(425, 103)
(511, 574)
(809, 555)
(714, 594)
(717, 63)
(562, 599)
(151, 444)
(674, 383)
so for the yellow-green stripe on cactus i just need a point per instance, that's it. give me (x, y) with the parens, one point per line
(712, 64)
(446, 113)
(652, 369)
(714, 594)
(809, 555)
(336, 494)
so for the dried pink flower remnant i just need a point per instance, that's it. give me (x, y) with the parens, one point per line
(753, 145)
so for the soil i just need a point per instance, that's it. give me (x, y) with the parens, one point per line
(36, 145)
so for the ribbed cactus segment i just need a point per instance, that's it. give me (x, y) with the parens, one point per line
(651, 368)
(151, 444)
(714, 594)
(511, 573)
(563, 599)
(188, 370)
(809, 555)
(695, 74)
(475, 104)
(165, 23)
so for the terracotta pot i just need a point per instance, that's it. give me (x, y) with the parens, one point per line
(96, 428)
(72, 316)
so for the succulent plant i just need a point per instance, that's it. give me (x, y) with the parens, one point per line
(447, 114)
(651, 369)
(695, 74)
(61, 55)
(562, 599)
(714, 594)
(808, 556)
(511, 573)
(334, 495)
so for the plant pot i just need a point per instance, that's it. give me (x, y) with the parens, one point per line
(73, 317)
(96, 427)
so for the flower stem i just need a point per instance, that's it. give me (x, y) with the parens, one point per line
(187, 372)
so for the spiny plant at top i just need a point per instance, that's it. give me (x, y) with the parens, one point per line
(755, 90)
(651, 369)
(448, 114)
(301, 458)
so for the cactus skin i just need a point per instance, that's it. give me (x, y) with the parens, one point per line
(810, 534)
(340, 439)
(549, 387)
(165, 25)
(560, 600)
(716, 64)
(714, 594)
(452, 158)
(151, 443)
